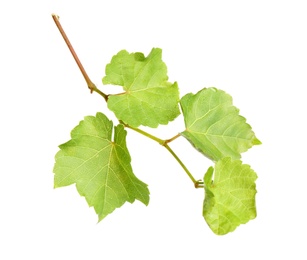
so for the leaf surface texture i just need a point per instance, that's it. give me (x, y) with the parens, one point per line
(148, 98)
(99, 166)
(230, 191)
(214, 126)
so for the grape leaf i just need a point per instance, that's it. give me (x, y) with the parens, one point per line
(148, 99)
(214, 126)
(99, 166)
(230, 197)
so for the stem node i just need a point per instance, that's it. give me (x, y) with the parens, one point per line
(199, 184)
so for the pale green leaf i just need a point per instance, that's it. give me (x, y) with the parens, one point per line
(214, 126)
(148, 98)
(99, 166)
(229, 196)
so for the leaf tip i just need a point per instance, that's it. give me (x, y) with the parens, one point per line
(256, 141)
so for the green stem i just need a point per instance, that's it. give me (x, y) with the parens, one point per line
(181, 163)
(89, 83)
(158, 140)
(101, 93)
(164, 143)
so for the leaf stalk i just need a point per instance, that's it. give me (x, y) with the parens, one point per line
(173, 138)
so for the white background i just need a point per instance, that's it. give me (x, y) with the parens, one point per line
(254, 50)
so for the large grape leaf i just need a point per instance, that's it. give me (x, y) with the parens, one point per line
(99, 166)
(149, 99)
(230, 196)
(214, 126)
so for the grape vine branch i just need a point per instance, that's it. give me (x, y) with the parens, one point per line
(93, 87)
(101, 166)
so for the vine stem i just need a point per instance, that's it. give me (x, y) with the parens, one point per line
(89, 83)
(165, 144)
(181, 164)
(93, 87)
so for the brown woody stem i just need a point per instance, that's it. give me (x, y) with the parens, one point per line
(89, 83)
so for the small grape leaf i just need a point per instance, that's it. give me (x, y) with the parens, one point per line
(214, 126)
(99, 166)
(149, 99)
(230, 197)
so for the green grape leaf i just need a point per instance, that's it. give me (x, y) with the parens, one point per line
(99, 166)
(149, 99)
(230, 196)
(214, 126)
